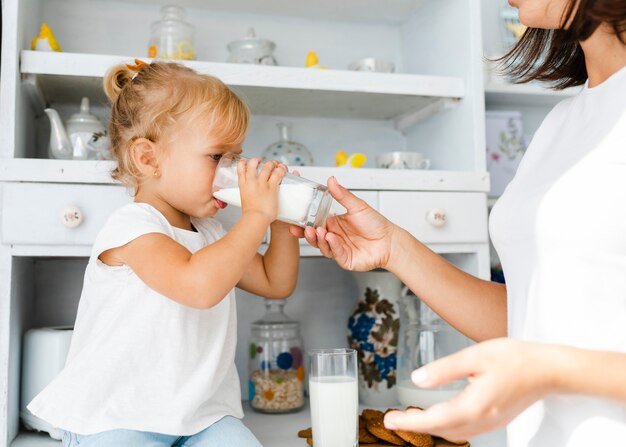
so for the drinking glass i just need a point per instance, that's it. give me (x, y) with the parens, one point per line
(334, 397)
(301, 202)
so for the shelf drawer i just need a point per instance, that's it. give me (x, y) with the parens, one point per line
(438, 217)
(57, 214)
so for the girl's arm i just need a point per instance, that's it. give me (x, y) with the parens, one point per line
(204, 278)
(506, 377)
(274, 275)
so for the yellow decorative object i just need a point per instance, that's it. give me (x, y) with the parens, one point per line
(45, 41)
(312, 61)
(517, 29)
(341, 158)
(355, 160)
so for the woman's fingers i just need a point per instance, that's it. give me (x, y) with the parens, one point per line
(348, 200)
(446, 369)
(443, 419)
(322, 244)
(296, 231)
(338, 249)
(311, 236)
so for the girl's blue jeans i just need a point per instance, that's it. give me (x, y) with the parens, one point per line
(228, 431)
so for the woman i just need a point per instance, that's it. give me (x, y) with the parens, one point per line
(559, 378)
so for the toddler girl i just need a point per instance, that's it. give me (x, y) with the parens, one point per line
(151, 361)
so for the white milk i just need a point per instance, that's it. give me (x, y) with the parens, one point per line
(294, 200)
(411, 395)
(334, 411)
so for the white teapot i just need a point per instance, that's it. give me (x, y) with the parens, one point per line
(84, 137)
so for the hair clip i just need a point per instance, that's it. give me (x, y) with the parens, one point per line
(139, 65)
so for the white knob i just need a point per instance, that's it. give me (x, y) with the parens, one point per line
(436, 217)
(71, 216)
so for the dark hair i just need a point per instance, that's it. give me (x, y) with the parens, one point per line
(555, 56)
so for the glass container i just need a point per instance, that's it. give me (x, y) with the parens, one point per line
(424, 337)
(334, 397)
(252, 50)
(276, 382)
(301, 202)
(172, 37)
(286, 150)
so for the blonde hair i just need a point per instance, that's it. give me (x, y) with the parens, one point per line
(148, 98)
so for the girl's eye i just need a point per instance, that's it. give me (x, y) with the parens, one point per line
(215, 157)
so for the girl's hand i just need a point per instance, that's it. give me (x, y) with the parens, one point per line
(359, 240)
(259, 189)
(505, 377)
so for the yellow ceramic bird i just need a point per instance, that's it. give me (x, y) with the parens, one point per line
(355, 160)
(312, 61)
(45, 41)
(517, 29)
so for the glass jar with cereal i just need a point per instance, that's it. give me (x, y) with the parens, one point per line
(276, 382)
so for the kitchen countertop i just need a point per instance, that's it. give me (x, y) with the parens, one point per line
(273, 430)
(280, 430)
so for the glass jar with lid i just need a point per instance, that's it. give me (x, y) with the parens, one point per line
(172, 37)
(276, 382)
(252, 50)
(424, 337)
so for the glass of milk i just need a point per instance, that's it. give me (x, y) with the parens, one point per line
(334, 397)
(301, 202)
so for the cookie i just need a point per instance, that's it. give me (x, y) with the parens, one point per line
(440, 442)
(370, 415)
(416, 439)
(365, 437)
(306, 433)
(376, 426)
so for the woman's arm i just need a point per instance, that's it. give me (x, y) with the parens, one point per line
(475, 307)
(274, 275)
(362, 239)
(506, 377)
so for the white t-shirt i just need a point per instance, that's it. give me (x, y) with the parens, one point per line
(560, 232)
(139, 360)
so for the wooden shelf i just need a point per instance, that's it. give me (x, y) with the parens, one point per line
(287, 91)
(507, 94)
(98, 172)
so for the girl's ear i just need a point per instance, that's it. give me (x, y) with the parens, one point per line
(145, 157)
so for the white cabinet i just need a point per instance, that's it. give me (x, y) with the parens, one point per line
(434, 104)
(438, 218)
(57, 214)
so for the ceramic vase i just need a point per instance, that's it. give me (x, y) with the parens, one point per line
(373, 330)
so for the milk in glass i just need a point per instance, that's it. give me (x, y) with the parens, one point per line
(334, 411)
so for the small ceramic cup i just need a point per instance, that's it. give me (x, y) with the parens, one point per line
(402, 160)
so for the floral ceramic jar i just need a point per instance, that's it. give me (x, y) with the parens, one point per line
(373, 331)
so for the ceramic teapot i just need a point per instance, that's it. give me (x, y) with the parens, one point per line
(84, 137)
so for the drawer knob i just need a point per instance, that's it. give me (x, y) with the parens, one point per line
(436, 217)
(71, 217)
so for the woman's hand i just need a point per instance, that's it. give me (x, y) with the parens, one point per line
(359, 240)
(505, 377)
(259, 189)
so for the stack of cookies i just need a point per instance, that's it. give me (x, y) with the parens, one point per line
(372, 432)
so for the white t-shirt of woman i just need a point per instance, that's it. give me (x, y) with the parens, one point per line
(560, 232)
